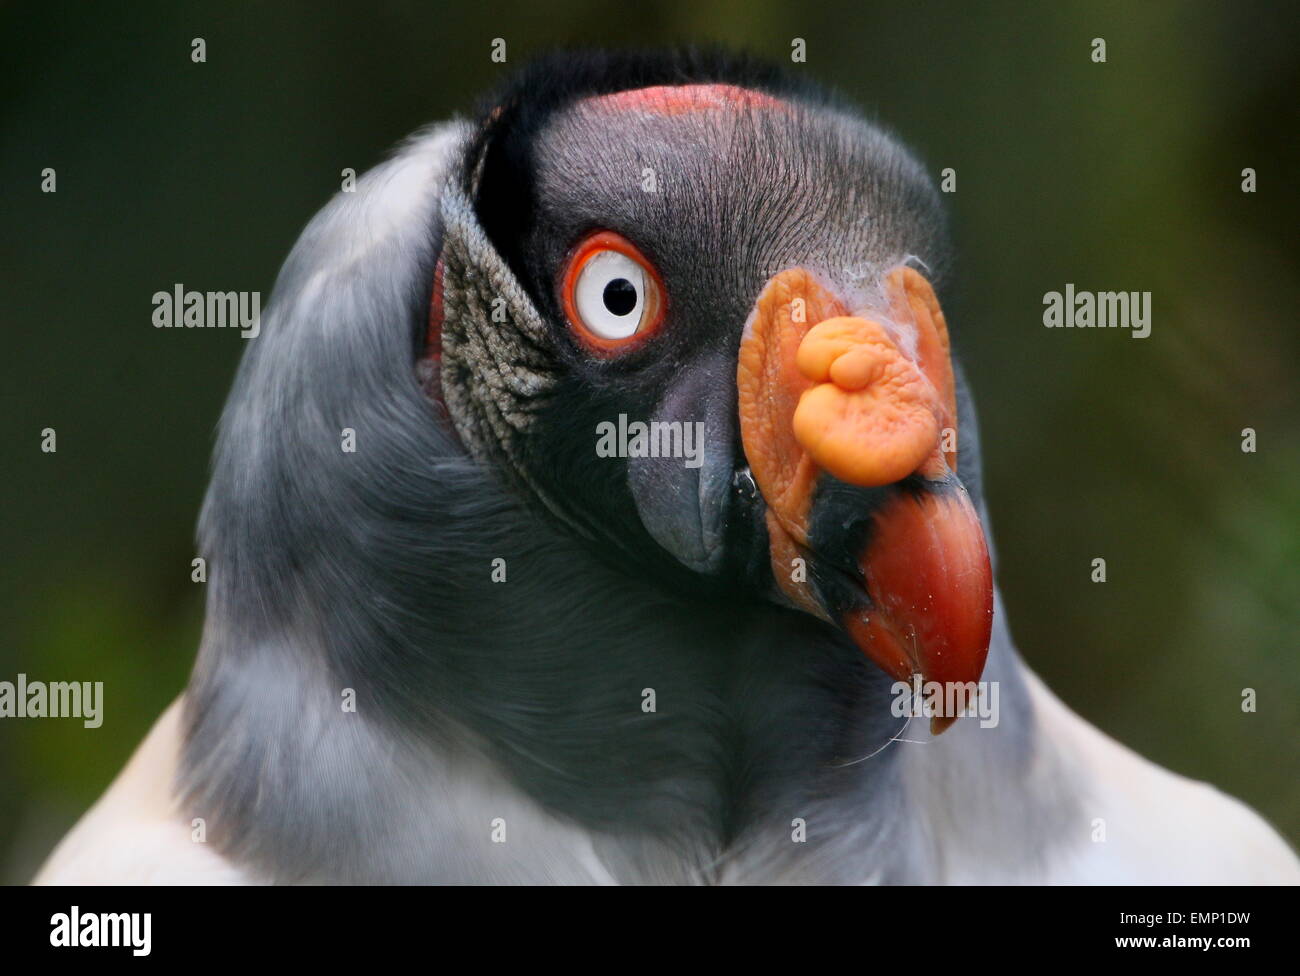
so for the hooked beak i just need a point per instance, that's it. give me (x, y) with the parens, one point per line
(849, 427)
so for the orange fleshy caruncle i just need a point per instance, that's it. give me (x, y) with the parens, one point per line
(872, 418)
(820, 389)
(770, 385)
(876, 414)
(865, 400)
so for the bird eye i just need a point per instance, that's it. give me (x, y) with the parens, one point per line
(612, 295)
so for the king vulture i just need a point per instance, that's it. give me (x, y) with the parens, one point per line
(599, 482)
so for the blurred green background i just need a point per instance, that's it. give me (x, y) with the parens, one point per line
(1123, 175)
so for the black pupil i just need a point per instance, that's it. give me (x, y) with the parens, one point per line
(620, 296)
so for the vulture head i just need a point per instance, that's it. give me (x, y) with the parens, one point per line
(613, 437)
(699, 325)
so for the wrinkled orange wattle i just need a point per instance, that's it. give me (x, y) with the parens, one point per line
(824, 391)
(870, 417)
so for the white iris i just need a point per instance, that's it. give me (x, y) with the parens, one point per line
(602, 295)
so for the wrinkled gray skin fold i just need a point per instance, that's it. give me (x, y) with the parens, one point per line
(370, 573)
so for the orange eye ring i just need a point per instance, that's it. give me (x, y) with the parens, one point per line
(654, 300)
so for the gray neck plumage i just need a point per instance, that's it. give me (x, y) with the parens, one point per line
(378, 697)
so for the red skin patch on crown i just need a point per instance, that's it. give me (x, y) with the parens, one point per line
(684, 99)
